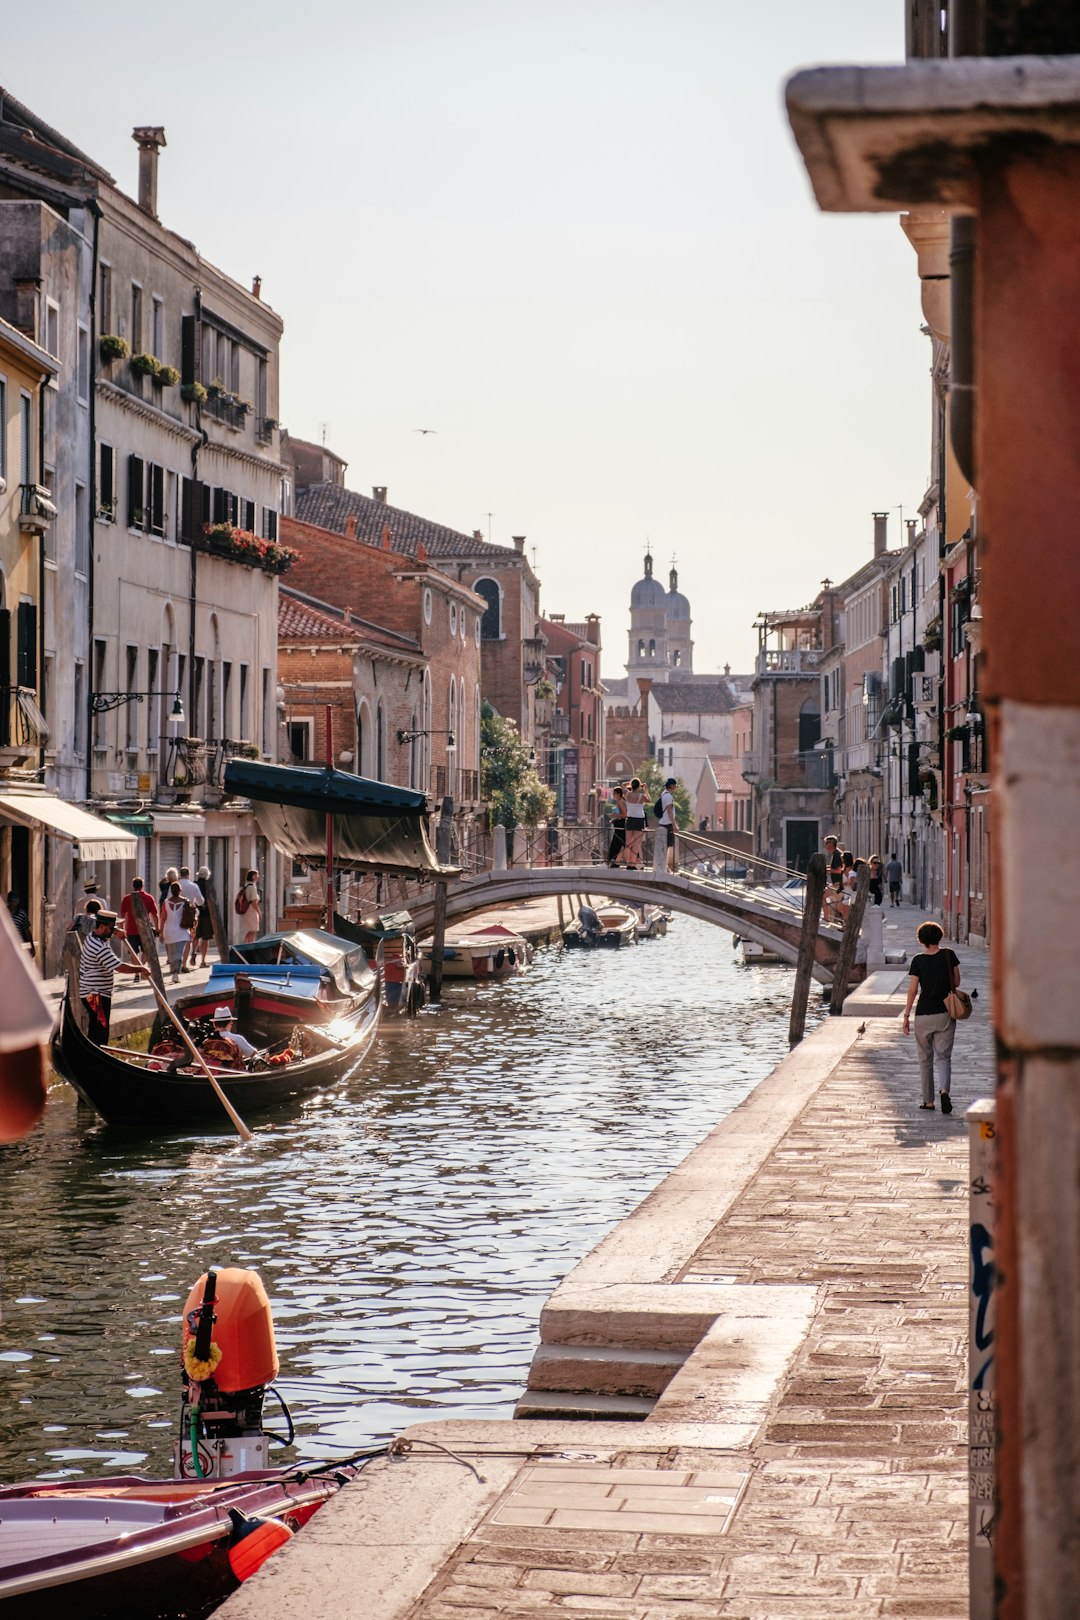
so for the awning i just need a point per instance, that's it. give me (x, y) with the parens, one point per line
(98, 840)
(141, 826)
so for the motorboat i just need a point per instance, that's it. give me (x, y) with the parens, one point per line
(496, 952)
(172, 1548)
(652, 921)
(608, 925)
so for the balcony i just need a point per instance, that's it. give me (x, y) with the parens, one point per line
(226, 407)
(460, 785)
(789, 660)
(23, 727)
(36, 509)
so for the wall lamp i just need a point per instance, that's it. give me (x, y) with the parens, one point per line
(411, 736)
(102, 702)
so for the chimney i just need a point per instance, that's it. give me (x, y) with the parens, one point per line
(519, 543)
(149, 138)
(256, 287)
(478, 534)
(378, 493)
(350, 526)
(881, 533)
(909, 525)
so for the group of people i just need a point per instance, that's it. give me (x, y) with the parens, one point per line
(628, 823)
(843, 869)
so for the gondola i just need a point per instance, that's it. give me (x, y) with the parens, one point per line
(298, 1055)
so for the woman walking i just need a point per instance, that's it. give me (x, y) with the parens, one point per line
(617, 848)
(877, 880)
(934, 973)
(173, 931)
(635, 824)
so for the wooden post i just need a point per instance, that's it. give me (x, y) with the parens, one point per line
(559, 899)
(329, 713)
(438, 936)
(811, 922)
(443, 832)
(72, 952)
(146, 938)
(217, 921)
(852, 925)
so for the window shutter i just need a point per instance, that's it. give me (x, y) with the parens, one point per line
(191, 509)
(107, 479)
(221, 506)
(270, 525)
(232, 507)
(157, 499)
(206, 503)
(188, 349)
(5, 677)
(136, 510)
(249, 516)
(26, 656)
(914, 786)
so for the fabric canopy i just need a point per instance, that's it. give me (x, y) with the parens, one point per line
(98, 840)
(377, 828)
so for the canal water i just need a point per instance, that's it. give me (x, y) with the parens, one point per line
(408, 1226)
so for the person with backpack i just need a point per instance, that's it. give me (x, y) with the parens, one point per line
(664, 811)
(248, 904)
(194, 897)
(635, 824)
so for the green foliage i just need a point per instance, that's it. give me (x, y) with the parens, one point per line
(111, 347)
(653, 779)
(509, 784)
(168, 376)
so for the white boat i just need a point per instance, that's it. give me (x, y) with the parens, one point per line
(482, 953)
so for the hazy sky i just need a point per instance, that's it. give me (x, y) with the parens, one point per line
(573, 237)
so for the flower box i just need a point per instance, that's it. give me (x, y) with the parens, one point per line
(145, 365)
(240, 546)
(168, 376)
(193, 393)
(111, 348)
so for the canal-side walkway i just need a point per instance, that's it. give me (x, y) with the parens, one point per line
(807, 1458)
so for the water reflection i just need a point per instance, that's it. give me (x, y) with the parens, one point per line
(408, 1226)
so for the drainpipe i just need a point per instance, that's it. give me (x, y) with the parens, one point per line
(91, 490)
(192, 563)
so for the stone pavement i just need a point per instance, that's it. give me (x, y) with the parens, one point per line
(848, 1498)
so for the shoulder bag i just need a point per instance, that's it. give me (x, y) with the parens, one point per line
(958, 1003)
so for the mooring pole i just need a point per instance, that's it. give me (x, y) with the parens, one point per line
(146, 938)
(852, 927)
(811, 922)
(329, 712)
(438, 936)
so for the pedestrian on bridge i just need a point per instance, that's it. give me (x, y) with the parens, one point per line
(635, 824)
(666, 829)
(616, 855)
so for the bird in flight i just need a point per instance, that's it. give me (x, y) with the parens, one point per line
(425, 430)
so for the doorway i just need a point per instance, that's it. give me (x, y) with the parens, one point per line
(800, 842)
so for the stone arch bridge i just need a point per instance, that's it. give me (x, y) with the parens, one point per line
(754, 913)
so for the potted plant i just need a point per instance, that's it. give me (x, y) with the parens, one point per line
(193, 393)
(955, 733)
(932, 636)
(247, 750)
(243, 405)
(214, 388)
(270, 423)
(168, 376)
(111, 348)
(145, 365)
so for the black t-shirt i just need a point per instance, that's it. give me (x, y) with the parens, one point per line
(836, 868)
(935, 976)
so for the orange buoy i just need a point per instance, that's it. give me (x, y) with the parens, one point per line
(252, 1542)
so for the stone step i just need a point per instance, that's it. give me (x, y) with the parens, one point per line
(583, 1408)
(603, 1369)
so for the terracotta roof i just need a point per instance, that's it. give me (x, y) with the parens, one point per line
(307, 619)
(681, 736)
(327, 506)
(693, 697)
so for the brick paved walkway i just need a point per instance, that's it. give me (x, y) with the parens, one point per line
(852, 1502)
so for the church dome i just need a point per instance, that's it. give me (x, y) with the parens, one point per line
(648, 592)
(675, 604)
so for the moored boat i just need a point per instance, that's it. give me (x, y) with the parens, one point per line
(482, 953)
(652, 921)
(173, 1548)
(389, 942)
(607, 925)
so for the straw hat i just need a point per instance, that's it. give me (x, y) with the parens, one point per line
(223, 1015)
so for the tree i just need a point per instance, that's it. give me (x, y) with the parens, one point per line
(509, 784)
(653, 779)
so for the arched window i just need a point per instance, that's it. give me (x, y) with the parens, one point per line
(641, 649)
(676, 658)
(476, 728)
(451, 715)
(364, 740)
(491, 623)
(809, 725)
(652, 648)
(380, 744)
(414, 753)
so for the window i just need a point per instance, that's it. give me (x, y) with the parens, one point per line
(135, 336)
(80, 709)
(51, 329)
(106, 483)
(267, 713)
(136, 493)
(26, 441)
(83, 384)
(169, 525)
(453, 618)
(157, 329)
(197, 726)
(48, 539)
(226, 698)
(155, 498)
(82, 533)
(153, 709)
(380, 744)
(491, 624)
(245, 703)
(300, 740)
(131, 715)
(427, 606)
(104, 309)
(99, 686)
(269, 523)
(213, 712)
(451, 715)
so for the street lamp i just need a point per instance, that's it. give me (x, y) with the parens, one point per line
(411, 736)
(102, 702)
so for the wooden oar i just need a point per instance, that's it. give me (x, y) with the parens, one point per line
(163, 1003)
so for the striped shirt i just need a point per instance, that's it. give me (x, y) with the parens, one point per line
(97, 964)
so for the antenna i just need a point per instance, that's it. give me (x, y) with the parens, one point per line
(489, 518)
(324, 429)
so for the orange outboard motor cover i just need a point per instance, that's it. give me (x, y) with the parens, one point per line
(243, 1329)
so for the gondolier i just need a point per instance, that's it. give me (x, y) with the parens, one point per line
(98, 965)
